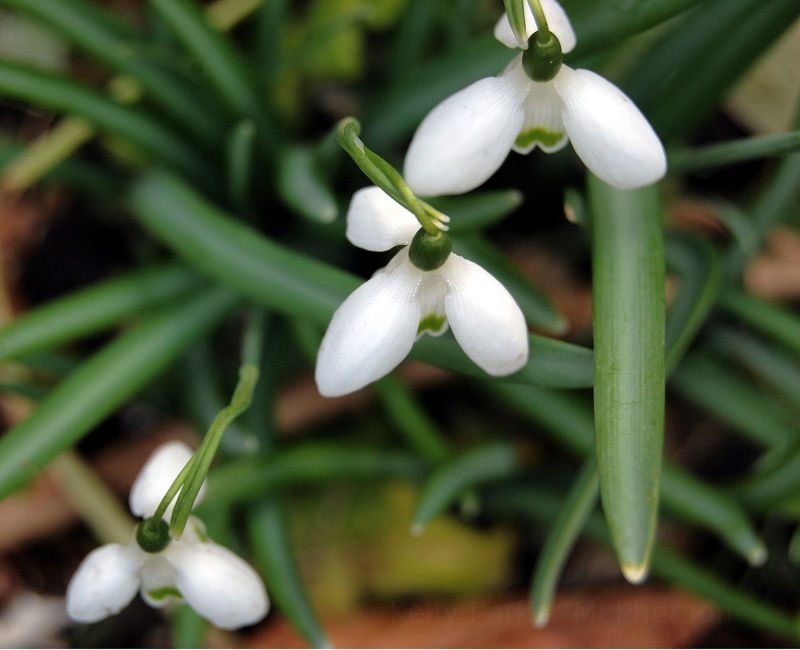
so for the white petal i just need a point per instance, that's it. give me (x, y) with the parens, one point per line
(609, 133)
(156, 476)
(543, 125)
(432, 290)
(105, 582)
(372, 331)
(376, 222)
(218, 584)
(557, 22)
(466, 138)
(485, 319)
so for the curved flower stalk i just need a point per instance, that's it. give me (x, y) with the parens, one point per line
(466, 138)
(424, 288)
(218, 584)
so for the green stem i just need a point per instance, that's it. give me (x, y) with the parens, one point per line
(541, 22)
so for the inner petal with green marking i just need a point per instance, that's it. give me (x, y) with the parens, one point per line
(162, 593)
(432, 324)
(538, 135)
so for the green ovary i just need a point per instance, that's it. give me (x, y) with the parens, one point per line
(431, 323)
(536, 134)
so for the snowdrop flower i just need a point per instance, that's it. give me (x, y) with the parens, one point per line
(422, 289)
(218, 584)
(466, 138)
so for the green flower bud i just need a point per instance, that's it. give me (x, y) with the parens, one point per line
(429, 252)
(153, 536)
(542, 61)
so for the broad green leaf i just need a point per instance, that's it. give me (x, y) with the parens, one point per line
(629, 313)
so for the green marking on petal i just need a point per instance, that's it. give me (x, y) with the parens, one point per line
(431, 323)
(162, 593)
(536, 134)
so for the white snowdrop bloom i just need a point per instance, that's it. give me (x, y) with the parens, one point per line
(215, 582)
(466, 138)
(374, 329)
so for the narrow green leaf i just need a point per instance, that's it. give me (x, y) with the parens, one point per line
(240, 160)
(480, 465)
(297, 285)
(727, 153)
(774, 205)
(219, 60)
(537, 308)
(599, 24)
(764, 360)
(104, 382)
(699, 268)
(794, 547)
(478, 210)
(62, 95)
(561, 537)
(765, 488)
(271, 544)
(772, 320)
(307, 463)
(412, 420)
(302, 187)
(570, 423)
(629, 306)
(542, 506)
(77, 21)
(726, 35)
(91, 310)
(717, 388)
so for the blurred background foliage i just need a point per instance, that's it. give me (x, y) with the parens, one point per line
(168, 165)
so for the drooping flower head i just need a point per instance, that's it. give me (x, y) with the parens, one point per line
(424, 288)
(466, 138)
(218, 584)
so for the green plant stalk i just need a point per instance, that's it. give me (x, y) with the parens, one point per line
(515, 9)
(62, 95)
(629, 322)
(736, 151)
(269, 539)
(224, 15)
(767, 488)
(91, 310)
(296, 285)
(561, 537)
(485, 463)
(204, 456)
(105, 382)
(188, 628)
(240, 158)
(570, 423)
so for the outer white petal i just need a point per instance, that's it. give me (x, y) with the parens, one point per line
(372, 331)
(376, 222)
(543, 125)
(156, 476)
(105, 582)
(218, 584)
(557, 21)
(485, 319)
(466, 138)
(608, 131)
